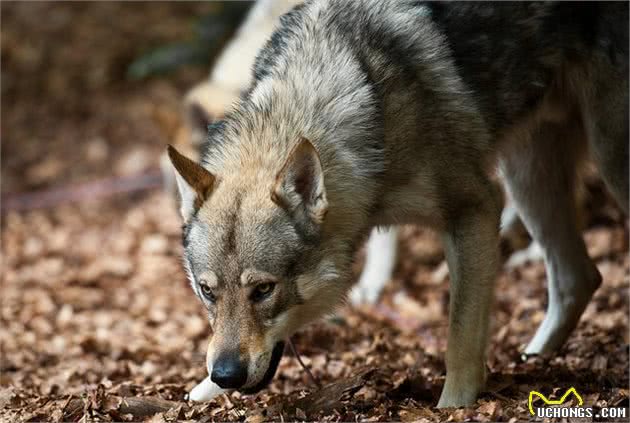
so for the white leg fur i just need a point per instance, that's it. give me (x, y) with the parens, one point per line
(379, 265)
(511, 225)
(545, 198)
(509, 219)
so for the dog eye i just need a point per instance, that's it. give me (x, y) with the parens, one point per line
(207, 292)
(262, 291)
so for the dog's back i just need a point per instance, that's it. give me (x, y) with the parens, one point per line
(512, 53)
(536, 63)
(501, 61)
(509, 54)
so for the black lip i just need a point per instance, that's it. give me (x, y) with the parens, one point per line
(276, 355)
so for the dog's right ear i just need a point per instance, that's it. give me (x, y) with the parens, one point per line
(299, 186)
(193, 182)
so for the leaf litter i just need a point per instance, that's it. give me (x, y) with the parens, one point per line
(98, 322)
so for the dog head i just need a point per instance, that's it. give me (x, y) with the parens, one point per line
(256, 255)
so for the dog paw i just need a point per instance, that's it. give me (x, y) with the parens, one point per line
(462, 388)
(457, 401)
(460, 396)
(531, 254)
(364, 294)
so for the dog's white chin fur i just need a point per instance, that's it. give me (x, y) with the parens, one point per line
(205, 391)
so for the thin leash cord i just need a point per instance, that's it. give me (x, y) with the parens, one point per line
(304, 366)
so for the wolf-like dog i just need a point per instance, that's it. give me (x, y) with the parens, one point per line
(208, 101)
(380, 112)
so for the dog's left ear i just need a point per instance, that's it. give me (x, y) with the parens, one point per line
(299, 186)
(193, 181)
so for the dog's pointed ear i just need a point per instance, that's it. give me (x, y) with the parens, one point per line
(193, 182)
(299, 186)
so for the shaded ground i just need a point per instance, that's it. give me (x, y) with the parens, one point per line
(95, 305)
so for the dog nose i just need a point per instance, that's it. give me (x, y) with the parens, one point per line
(229, 372)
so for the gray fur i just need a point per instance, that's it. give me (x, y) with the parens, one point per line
(410, 106)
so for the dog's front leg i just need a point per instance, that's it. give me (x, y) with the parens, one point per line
(471, 244)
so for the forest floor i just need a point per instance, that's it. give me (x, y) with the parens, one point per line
(98, 322)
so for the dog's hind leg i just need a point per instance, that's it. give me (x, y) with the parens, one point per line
(380, 260)
(539, 169)
(471, 244)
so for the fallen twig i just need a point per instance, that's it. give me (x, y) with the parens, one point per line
(304, 366)
(139, 407)
(328, 397)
